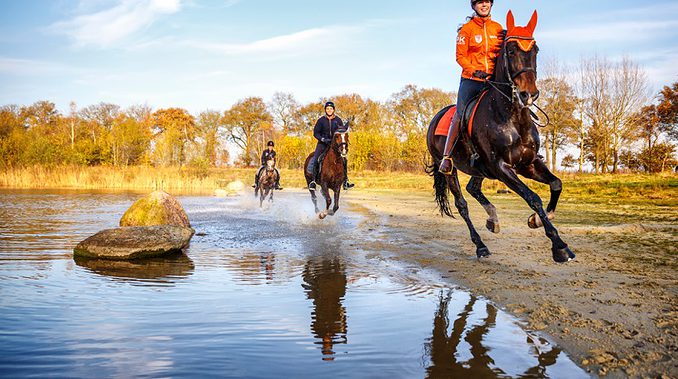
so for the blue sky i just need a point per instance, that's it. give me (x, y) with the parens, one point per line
(200, 54)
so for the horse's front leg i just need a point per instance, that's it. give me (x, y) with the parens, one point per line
(328, 200)
(475, 188)
(335, 206)
(561, 253)
(539, 172)
(462, 207)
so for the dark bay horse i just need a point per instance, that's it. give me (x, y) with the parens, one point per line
(266, 183)
(331, 175)
(506, 139)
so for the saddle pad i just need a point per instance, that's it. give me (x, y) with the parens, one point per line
(444, 124)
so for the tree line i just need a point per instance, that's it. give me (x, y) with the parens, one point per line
(601, 111)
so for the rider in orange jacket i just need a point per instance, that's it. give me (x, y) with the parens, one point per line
(478, 44)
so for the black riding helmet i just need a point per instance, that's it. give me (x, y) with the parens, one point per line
(473, 2)
(330, 104)
(270, 143)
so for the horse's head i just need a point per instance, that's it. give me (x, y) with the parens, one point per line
(340, 140)
(518, 59)
(270, 165)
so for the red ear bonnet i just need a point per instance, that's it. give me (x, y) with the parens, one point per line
(523, 35)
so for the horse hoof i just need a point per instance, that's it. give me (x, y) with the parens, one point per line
(534, 221)
(563, 255)
(492, 226)
(483, 252)
(322, 215)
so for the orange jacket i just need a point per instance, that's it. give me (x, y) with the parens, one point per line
(478, 45)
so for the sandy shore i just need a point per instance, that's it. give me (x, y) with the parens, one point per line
(613, 309)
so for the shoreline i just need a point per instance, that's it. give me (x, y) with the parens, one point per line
(614, 309)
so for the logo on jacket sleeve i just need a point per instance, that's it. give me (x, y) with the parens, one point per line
(478, 38)
(461, 40)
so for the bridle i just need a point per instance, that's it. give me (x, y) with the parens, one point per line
(270, 165)
(526, 44)
(343, 145)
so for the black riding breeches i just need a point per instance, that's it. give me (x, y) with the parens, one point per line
(320, 148)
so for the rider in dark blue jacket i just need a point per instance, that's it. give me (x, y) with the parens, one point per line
(323, 131)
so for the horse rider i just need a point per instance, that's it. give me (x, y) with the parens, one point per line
(478, 45)
(323, 131)
(266, 155)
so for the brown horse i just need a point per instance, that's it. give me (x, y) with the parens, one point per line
(331, 175)
(266, 183)
(506, 139)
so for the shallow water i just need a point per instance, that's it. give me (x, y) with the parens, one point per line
(270, 293)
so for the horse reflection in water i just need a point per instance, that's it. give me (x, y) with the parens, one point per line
(443, 349)
(325, 284)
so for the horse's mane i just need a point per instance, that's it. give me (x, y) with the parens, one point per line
(500, 87)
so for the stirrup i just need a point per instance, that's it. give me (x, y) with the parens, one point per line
(474, 158)
(451, 166)
(312, 186)
(348, 186)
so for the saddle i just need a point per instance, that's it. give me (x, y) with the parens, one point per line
(443, 126)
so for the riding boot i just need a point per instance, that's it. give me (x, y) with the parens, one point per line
(256, 179)
(276, 185)
(452, 134)
(347, 184)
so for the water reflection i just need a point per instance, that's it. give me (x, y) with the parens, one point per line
(447, 350)
(325, 284)
(160, 269)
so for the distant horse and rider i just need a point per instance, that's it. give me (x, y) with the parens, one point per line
(499, 139)
(266, 182)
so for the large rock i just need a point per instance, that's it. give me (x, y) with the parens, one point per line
(134, 242)
(156, 208)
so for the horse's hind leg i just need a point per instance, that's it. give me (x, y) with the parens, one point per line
(539, 172)
(462, 207)
(561, 253)
(475, 188)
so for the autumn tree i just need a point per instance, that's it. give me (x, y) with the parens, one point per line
(12, 135)
(285, 111)
(560, 103)
(208, 128)
(248, 122)
(615, 92)
(413, 108)
(174, 131)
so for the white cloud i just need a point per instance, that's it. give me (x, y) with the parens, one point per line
(303, 41)
(105, 27)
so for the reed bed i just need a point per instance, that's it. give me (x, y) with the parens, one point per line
(635, 187)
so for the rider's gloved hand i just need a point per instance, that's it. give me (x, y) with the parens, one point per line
(502, 34)
(481, 74)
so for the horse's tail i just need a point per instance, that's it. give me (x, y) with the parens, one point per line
(440, 186)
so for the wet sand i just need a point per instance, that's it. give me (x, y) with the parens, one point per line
(614, 308)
